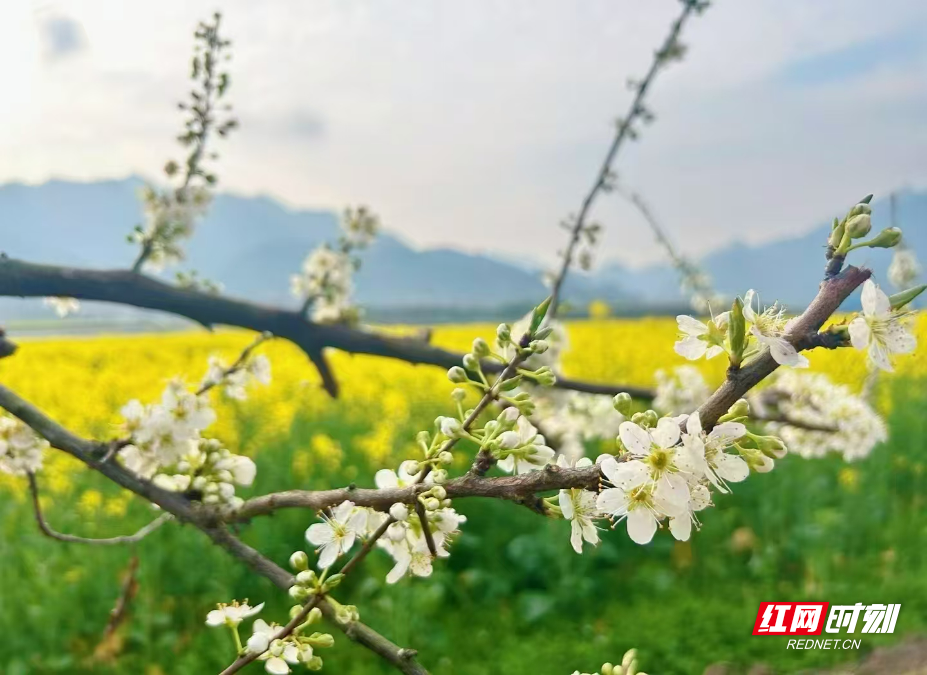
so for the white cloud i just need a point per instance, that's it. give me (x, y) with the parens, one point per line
(480, 124)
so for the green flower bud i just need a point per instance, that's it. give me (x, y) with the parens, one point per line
(323, 640)
(431, 503)
(608, 669)
(511, 383)
(295, 611)
(299, 561)
(859, 225)
(737, 332)
(538, 346)
(332, 582)
(457, 375)
(459, 394)
(622, 403)
(652, 418)
(439, 476)
(314, 616)
(887, 238)
(739, 409)
(481, 348)
(545, 377)
(836, 235)
(903, 298)
(298, 593)
(439, 492)
(504, 333)
(470, 362)
(543, 333)
(639, 418)
(307, 578)
(315, 663)
(537, 316)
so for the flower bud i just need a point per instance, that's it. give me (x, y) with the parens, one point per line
(314, 616)
(481, 348)
(859, 226)
(771, 446)
(307, 578)
(457, 375)
(299, 561)
(622, 403)
(543, 333)
(323, 640)
(439, 476)
(859, 209)
(899, 300)
(459, 394)
(628, 658)
(509, 440)
(609, 669)
(504, 333)
(538, 346)
(511, 383)
(740, 409)
(508, 416)
(470, 362)
(445, 457)
(295, 611)
(431, 503)
(298, 593)
(449, 426)
(315, 663)
(410, 467)
(439, 492)
(332, 582)
(399, 511)
(887, 238)
(545, 377)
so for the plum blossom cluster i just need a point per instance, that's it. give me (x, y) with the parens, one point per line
(663, 475)
(742, 333)
(170, 218)
(813, 400)
(276, 647)
(164, 441)
(682, 389)
(325, 283)
(21, 449)
(628, 666)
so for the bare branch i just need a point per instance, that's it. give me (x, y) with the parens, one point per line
(22, 279)
(624, 131)
(120, 611)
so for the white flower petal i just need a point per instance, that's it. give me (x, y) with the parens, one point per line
(319, 534)
(859, 333)
(731, 467)
(641, 526)
(666, 435)
(634, 438)
(690, 326)
(691, 348)
(681, 527)
(566, 504)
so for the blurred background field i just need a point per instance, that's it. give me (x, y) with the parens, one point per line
(514, 597)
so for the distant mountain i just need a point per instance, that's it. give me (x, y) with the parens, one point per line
(788, 270)
(253, 244)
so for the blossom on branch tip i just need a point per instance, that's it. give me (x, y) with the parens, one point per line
(523, 449)
(231, 615)
(700, 339)
(880, 329)
(769, 328)
(21, 449)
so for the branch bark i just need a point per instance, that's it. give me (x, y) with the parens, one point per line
(23, 279)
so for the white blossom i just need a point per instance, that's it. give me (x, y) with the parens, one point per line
(769, 328)
(705, 456)
(879, 329)
(231, 615)
(682, 390)
(325, 280)
(337, 533)
(62, 306)
(21, 449)
(523, 449)
(700, 339)
(579, 507)
(904, 268)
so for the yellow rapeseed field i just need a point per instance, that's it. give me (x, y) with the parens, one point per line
(83, 382)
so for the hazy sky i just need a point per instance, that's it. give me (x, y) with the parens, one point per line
(479, 124)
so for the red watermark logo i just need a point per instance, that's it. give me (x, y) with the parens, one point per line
(790, 618)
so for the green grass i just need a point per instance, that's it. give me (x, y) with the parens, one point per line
(514, 597)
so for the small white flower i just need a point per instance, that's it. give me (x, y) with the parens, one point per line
(336, 535)
(579, 507)
(705, 453)
(769, 328)
(635, 498)
(656, 449)
(231, 615)
(259, 368)
(879, 329)
(529, 452)
(700, 339)
(62, 306)
(21, 449)
(261, 636)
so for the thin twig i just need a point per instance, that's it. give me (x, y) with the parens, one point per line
(287, 630)
(120, 611)
(622, 133)
(72, 539)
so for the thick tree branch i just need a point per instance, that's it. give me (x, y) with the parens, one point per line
(23, 279)
(185, 511)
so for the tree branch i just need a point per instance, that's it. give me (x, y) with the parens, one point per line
(23, 279)
(803, 335)
(623, 132)
(183, 510)
(72, 539)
